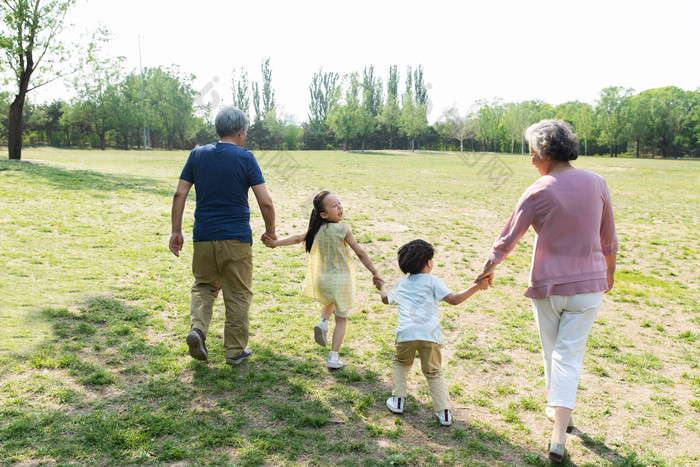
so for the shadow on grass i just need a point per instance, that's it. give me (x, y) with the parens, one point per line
(104, 393)
(604, 452)
(68, 179)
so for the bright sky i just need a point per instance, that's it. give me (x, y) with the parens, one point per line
(552, 50)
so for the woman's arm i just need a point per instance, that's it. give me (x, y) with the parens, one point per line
(608, 237)
(520, 220)
(362, 255)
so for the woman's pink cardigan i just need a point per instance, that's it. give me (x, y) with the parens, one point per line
(572, 215)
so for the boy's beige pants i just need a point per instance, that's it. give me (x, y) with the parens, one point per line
(431, 362)
(225, 265)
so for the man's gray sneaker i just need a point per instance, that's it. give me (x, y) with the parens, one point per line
(243, 356)
(198, 348)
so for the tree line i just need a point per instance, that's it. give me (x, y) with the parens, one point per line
(159, 108)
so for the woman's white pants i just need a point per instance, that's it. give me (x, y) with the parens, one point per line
(564, 323)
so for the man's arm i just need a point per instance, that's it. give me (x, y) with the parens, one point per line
(267, 209)
(176, 239)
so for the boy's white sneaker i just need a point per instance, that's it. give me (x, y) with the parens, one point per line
(321, 333)
(334, 362)
(395, 404)
(445, 417)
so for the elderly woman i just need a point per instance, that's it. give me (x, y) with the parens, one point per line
(573, 262)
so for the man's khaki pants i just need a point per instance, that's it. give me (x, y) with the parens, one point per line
(431, 361)
(225, 265)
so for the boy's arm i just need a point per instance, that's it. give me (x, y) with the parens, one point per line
(459, 297)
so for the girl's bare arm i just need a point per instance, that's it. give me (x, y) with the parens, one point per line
(362, 254)
(291, 240)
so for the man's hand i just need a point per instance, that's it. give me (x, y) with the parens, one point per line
(176, 242)
(268, 241)
(378, 281)
(268, 236)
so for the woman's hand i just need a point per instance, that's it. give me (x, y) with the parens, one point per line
(610, 275)
(488, 275)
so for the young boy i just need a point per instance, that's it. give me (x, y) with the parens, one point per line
(417, 296)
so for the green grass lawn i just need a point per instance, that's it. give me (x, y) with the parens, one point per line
(94, 309)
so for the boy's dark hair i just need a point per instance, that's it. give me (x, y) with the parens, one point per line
(414, 255)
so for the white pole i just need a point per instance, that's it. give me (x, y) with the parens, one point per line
(146, 129)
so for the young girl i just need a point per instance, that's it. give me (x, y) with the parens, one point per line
(330, 277)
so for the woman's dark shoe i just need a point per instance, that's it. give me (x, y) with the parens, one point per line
(557, 452)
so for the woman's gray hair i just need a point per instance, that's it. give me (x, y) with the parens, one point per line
(554, 139)
(230, 121)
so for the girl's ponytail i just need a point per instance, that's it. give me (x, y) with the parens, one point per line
(315, 220)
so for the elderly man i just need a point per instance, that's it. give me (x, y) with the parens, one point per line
(222, 259)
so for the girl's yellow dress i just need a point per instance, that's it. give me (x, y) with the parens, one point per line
(330, 277)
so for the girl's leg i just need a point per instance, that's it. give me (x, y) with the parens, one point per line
(339, 332)
(321, 329)
(327, 311)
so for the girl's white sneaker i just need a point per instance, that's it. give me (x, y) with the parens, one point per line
(334, 362)
(321, 333)
(395, 404)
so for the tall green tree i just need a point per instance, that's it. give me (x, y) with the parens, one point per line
(268, 94)
(390, 116)
(95, 85)
(490, 116)
(28, 38)
(324, 92)
(637, 114)
(256, 101)
(170, 99)
(413, 120)
(610, 111)
(127, 119)
(371, 92)
(240, 89)
(345, 119)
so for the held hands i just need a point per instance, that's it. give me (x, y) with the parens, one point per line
(269, 239)
(485, 275)
(482, 284)
(378, 281)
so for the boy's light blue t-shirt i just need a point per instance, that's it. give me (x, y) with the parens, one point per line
(418, 297)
